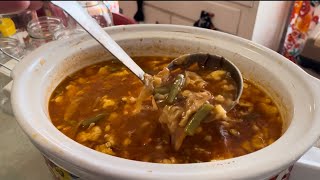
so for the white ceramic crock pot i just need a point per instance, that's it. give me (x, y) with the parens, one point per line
(296, 93)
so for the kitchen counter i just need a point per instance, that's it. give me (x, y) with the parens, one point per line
(19, 159)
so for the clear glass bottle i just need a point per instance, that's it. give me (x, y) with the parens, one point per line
(99, 11)
(43, 30)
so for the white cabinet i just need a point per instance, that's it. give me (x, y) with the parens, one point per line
(191, 10)
(228, 15)
(241, 18)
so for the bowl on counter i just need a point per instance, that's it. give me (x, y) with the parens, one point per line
(295, 92)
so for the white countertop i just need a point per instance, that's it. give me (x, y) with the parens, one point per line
(19, 159)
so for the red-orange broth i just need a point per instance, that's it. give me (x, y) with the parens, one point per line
(109, 88)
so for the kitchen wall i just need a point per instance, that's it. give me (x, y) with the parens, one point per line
(260, 21)
(270, 23)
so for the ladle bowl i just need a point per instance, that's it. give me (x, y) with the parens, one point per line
(211, 62)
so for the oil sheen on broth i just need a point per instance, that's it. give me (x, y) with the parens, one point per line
(96, 107)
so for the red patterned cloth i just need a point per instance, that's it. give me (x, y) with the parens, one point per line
(304, 17)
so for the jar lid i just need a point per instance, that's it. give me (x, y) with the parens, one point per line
(7, 27)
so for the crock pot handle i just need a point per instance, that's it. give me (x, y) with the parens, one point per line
(316, 83)
(310, 162)
(14, 71)
(317, 87)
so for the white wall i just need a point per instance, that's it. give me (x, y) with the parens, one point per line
(270, 23)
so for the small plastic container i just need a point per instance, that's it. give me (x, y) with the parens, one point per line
(10, 54)
(11, 46)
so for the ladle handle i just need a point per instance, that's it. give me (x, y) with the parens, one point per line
(75, 10)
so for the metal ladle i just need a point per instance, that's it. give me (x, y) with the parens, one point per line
(75, 10)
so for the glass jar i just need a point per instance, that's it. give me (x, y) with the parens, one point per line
(69, 32)
(51, 10)
(99, 11)
(43, 30)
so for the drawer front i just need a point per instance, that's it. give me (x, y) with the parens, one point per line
(155, 16)
(244, 3)
(226, 18)
(181, 21)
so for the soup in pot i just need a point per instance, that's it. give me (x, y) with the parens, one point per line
(183, 120)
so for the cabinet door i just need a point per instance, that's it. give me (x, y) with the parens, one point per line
(244, 3)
